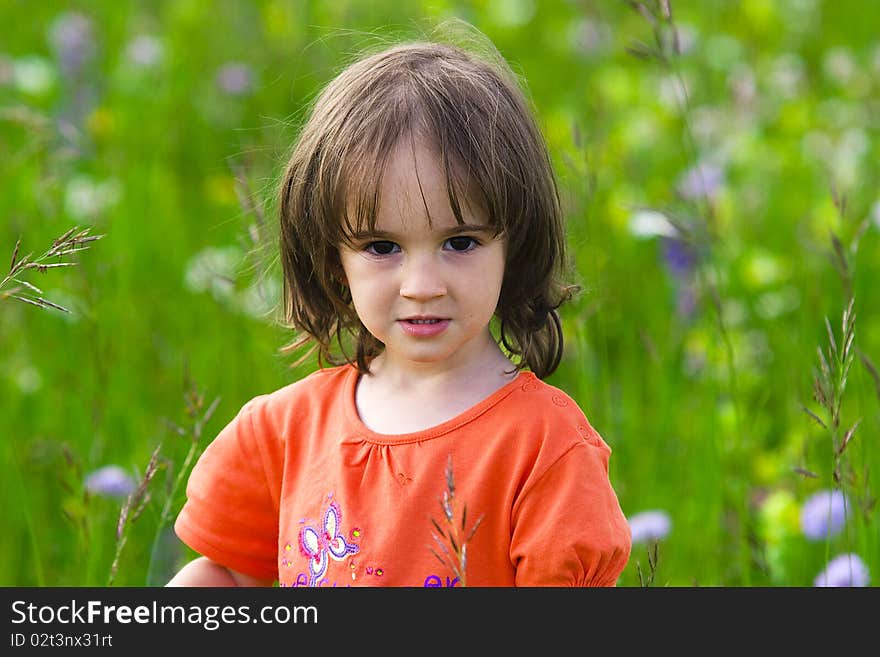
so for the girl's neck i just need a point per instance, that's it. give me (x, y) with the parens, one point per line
(492, 366)
(391, 401)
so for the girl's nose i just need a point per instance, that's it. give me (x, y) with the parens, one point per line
(422, 279)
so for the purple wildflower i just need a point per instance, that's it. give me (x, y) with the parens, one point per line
(589, 37)
(235, 79)
(701, 181)
(72, 38)
(686, 300)
(679, 257)
(823, 514)
(649, 526)
(110, 481)
(844, 570)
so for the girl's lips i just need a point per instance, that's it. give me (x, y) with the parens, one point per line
(423, 330)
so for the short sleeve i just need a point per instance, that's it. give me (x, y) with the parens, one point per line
(568, 528)
(231, 511)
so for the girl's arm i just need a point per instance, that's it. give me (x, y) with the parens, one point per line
(204, 572)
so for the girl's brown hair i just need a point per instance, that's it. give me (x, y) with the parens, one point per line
(493, 154)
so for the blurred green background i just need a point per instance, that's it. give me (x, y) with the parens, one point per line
(719, 171)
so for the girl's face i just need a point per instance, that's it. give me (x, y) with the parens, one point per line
(426, 291)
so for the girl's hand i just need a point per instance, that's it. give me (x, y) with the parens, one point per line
(204, 572)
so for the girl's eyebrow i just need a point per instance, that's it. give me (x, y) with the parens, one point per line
(455, 230)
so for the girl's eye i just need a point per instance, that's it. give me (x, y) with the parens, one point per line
(381, 248)
(462, 243)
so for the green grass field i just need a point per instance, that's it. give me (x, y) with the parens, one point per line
(719, 171)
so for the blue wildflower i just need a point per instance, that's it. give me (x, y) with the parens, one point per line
(235, 79)
(72, 38)
(701, 181)
(649, 526)
(680, 259)
(823, 514)
(679, 256)
(110, 481)
(844, 570)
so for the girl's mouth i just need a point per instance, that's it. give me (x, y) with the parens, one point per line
(424, 328)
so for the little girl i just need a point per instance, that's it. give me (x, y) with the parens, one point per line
(419, 220)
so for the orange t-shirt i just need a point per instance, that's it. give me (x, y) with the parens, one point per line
(297, 489)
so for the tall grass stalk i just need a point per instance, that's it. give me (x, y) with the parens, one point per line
(14, 286)
(131, 510)
(139, 499)
(73, 241)
(646, 581)
(198, 416)
(829, 384)
(830, 379)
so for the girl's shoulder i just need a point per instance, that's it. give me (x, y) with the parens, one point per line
(315, 383)
(541, 390)
(541, 408)
(314, 388)
(534, 393)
